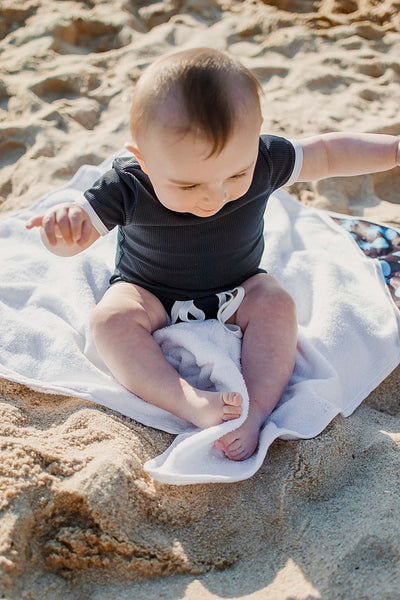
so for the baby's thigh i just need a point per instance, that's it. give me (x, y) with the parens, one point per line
(263, 284)
(128, 302)
(264, 296)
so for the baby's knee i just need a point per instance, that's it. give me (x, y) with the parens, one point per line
(108, 321)
(283, 303)
(272, 298)
(100, 321)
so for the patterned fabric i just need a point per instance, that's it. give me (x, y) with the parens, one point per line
(380, 242)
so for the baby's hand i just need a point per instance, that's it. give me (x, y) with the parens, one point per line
(66, 224)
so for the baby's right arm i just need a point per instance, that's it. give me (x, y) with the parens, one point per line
(66, 229)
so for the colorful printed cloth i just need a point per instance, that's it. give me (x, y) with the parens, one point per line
(381, 242)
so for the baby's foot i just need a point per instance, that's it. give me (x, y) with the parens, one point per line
(243, 441)
(206, 409)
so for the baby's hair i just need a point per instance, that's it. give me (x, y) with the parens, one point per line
(199, 91)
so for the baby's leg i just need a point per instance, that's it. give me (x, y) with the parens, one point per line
(267, 317)
(122, 326)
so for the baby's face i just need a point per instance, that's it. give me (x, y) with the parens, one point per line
(186, 181)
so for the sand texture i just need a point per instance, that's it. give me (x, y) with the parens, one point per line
(79, 517)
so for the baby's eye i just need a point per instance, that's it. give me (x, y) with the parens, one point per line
(186, 188)
(238, 175)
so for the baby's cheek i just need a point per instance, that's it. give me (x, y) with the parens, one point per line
(240, 190)
(174, 203)
(246, 187)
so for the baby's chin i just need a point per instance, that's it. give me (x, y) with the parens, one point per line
(203, 212)
(206, 213)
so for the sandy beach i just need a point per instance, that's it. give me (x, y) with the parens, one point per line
(80, 519)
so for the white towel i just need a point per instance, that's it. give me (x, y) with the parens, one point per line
(348, 332)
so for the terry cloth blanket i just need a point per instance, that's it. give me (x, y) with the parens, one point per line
(348, 332)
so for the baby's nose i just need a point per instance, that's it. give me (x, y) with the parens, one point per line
(216, 193)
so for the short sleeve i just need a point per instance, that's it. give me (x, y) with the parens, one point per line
(111, 200)
(283, 159)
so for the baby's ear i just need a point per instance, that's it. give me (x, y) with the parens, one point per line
(131, 146)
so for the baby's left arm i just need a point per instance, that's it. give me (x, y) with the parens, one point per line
(337, 154)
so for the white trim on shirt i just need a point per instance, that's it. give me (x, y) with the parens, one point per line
(298, 162)
(94, 217)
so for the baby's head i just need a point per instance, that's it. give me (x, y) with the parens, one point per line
(195, 125)
(200, 91)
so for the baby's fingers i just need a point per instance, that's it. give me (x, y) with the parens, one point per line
(34, 222)
(49, 228)
(86, 232)
(78, 222)
(61, 224)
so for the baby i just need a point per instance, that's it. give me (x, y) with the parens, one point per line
(189, 206)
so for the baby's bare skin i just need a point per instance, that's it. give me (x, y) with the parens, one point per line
(122, 326)
(243, 441)
(206, 409)
(188, 179)
(126, 317)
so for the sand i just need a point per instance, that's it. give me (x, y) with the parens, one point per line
(79, 517)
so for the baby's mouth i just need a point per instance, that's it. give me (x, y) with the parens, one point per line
(210, 211)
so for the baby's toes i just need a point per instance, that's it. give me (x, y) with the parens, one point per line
(231, 412)
(237, 451)
(231, 399)
(231, 447)
(229, 416)
(232, 408)
(219, 444)
(236, 446)
(223, 442)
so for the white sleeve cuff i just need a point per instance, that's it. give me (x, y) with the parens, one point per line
(298, 162)
(94, 217)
